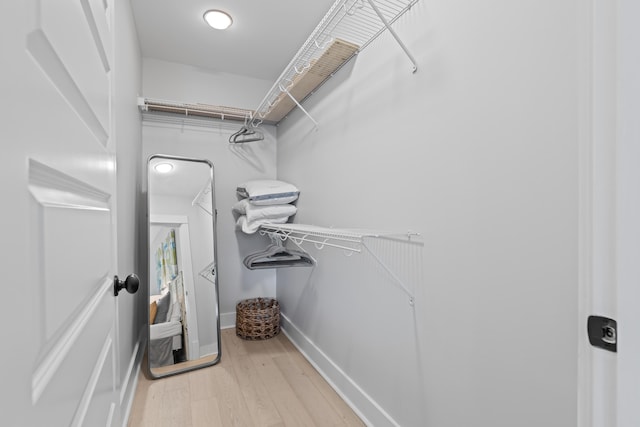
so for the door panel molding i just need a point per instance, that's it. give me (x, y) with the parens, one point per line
(96, 13)
(89, 397)
(42, 51)
(70, 213)
(48, 367)
(53, 188)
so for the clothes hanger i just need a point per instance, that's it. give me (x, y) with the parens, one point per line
(247, 133)
(277, 256)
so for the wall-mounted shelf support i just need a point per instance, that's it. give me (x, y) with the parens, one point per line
(349, 240)
(394, 34)
(400, 283)
(285, 90)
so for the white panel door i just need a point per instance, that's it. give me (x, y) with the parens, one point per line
(58, 183)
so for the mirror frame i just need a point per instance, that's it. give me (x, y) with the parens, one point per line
(215, 262)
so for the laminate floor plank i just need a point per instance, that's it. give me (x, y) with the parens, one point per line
(199, 384)
(291, 409)
(337, 403)
(261, 407)
(313, 401)
(145, 410)
(256, 384)
(206, 412)
(173, 412)
(225, 387)
(259, 402)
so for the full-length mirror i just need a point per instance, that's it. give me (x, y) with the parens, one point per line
(184, 325)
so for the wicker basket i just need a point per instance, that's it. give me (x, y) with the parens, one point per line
(257, 318)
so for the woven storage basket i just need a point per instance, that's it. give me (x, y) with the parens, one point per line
(257, 318)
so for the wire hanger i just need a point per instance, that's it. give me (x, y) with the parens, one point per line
(247, 133)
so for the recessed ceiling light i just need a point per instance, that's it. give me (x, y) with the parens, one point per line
(218, 19)
(163, 167)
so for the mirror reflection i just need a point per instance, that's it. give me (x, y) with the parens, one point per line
(184, 327)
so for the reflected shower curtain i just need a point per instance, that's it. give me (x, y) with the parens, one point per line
(167, 261)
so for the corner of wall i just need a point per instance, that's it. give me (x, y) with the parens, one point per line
(228, 320)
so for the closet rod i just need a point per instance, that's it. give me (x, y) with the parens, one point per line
(194, 109)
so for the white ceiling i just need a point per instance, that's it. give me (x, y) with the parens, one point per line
(265, 34)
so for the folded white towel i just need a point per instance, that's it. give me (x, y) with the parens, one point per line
(255, 213)
(251, 227)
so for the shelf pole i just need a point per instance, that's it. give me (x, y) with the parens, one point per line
(392, 274)
(284, 89)
(394, 34)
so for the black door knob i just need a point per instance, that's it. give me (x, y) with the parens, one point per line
(131, 284)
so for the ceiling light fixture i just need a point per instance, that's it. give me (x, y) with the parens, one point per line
(163, 167)
(218, 19)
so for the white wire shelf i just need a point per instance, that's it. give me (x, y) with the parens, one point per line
(347, 239)
(350, 240)
(356, 22)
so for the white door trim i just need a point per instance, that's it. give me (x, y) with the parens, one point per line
(609, 383)
(597, 227)
(628, 213)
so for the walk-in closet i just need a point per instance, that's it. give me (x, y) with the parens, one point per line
(415, 213)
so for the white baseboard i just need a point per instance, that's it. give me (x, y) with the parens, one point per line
(228, 320)
(362, 404)
(130, 384)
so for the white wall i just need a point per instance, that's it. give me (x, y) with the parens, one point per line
(185, 83)
(478, 151)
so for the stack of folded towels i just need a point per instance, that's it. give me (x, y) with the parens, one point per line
(263, 202)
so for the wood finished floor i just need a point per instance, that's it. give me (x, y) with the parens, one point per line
(257, 383)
